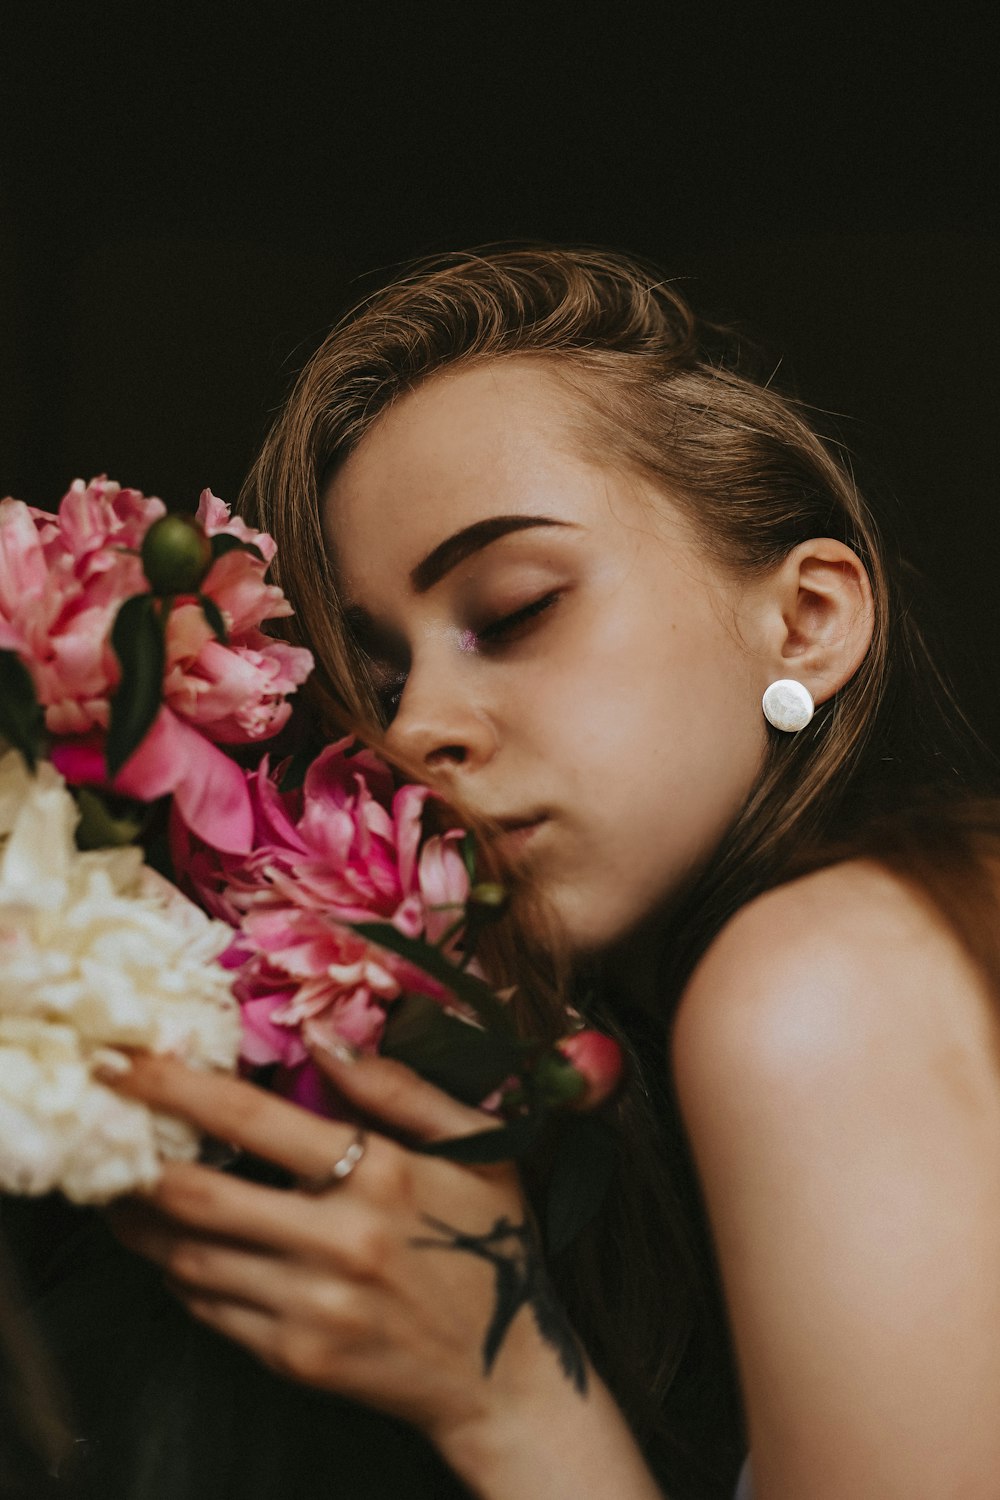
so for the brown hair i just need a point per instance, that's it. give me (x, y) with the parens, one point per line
(656, 395)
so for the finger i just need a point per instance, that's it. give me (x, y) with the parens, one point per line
(253, 1327)
(389, 1091)
(300, 1350)
(210, 1202)
(297, 1352)
(232, 1110)
(214, 1267)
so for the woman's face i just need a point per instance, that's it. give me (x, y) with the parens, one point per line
(554, 647)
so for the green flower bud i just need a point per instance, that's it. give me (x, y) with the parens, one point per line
(488, 899)
(176, 554)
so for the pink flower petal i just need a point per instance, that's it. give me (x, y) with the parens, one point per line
(23, 572)
(210, 791)
(80, 761)
(443, 881)
(213, 514)
(264, 1042)
(310, 1089)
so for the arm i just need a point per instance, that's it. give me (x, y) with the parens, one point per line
(385, 1287)
(836, 1059)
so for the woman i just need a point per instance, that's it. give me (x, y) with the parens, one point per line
(560, 552)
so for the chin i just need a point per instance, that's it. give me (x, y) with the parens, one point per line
(606, 926)
(590, 921)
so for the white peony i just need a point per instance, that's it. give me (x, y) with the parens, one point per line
(97, 953)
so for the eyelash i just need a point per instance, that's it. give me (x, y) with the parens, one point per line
(498, 632)
(388, 696)
(501, 629)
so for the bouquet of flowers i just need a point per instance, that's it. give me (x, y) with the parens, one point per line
(132, 662)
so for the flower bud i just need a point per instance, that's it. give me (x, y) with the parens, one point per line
(176, 555)
(489, 900)
(557, 1082)
(598, 1062)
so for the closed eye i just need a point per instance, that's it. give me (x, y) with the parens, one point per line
(389, 691)
(508, 627)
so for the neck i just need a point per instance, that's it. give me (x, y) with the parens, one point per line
(631, 970)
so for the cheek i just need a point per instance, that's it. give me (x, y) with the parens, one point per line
(656, 704)
(708, 741)
(658, 756)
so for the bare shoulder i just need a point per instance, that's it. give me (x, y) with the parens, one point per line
(846, 968)
(836, 1058)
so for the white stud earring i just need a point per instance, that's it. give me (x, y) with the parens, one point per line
(788, 705)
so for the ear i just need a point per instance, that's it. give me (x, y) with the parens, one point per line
(819, 616)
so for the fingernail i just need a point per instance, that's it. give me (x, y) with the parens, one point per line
(108, 1066)
(331, 1046)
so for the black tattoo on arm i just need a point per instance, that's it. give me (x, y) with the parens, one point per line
(520, 1280)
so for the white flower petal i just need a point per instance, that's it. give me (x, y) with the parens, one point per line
(97, 953)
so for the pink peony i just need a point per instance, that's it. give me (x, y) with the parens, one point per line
(237, 692)
(62, 580)
(344, 848)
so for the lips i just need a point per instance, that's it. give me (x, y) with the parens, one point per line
(516, 832)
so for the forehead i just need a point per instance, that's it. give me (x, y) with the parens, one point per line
(463, 446)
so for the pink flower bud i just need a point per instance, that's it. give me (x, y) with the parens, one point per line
(598, 1060)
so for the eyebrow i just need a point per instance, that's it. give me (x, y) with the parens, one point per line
(455, 549)
(448, 554)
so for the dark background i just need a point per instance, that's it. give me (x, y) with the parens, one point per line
(189, 197)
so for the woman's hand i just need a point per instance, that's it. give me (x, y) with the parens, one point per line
(409, 1285)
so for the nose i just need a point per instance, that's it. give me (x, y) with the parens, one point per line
(439, 726)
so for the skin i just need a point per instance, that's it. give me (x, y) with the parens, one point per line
(834, 1053)
(836, 1057)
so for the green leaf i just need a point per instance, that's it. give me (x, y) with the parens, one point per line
(466, 987)
(22, 722)
(467, 849)
(98, 827)
(583, 1166)
(156, 844)
(224, 542)
(486, 1146)
(213, 614)
(464, 1061)
(137, 641)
